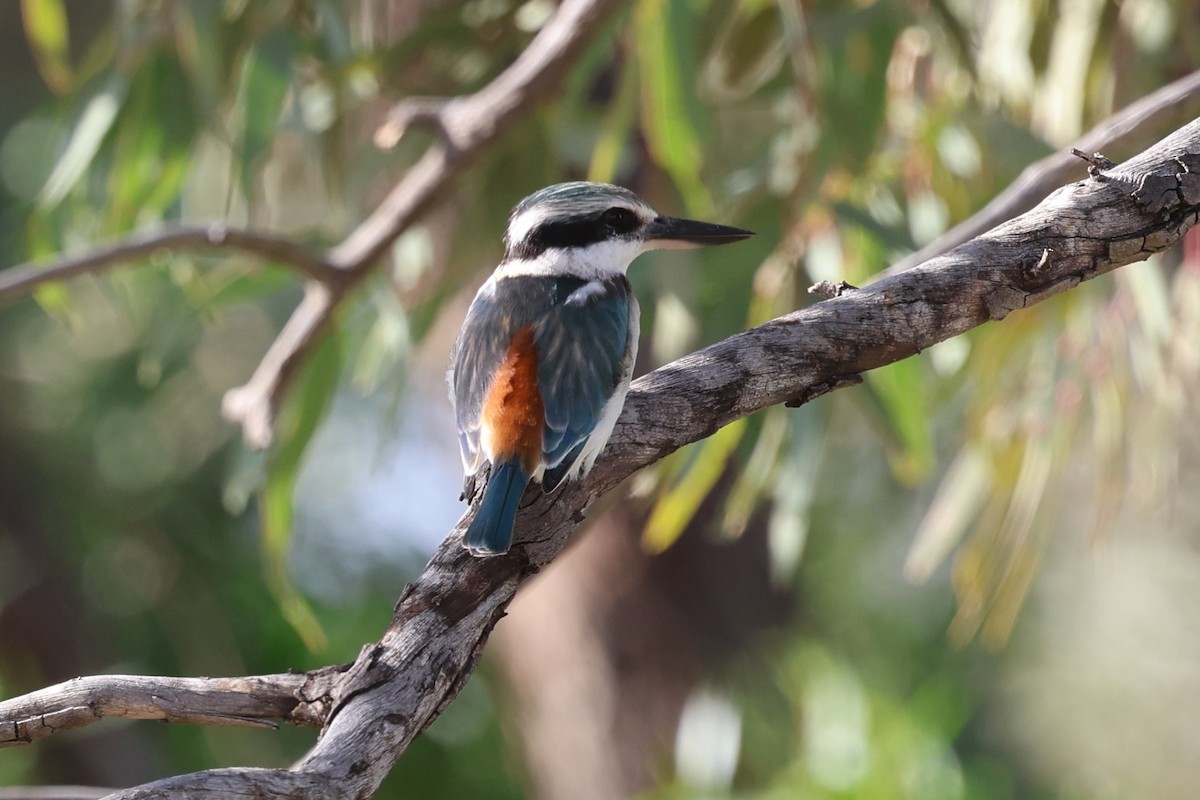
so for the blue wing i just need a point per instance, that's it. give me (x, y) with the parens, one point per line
(581, 330)
(582, 347)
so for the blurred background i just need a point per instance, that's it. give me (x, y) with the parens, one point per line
(975, 576)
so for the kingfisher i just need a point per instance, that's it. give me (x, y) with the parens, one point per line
(541, 367)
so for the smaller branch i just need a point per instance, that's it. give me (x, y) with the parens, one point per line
(1155, 110)
(224, 702)
(20, 280)
(1097, 162)
(466, 124)
(255, 404)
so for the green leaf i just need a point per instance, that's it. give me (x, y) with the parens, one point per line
(241, 281)
(53, 298)
(265, 83)
(666, 53)
(201, 47)
(152, 150)
(747, 493)
(46, 29)
(614, 131)
(308, 403)
(959, 497)
(384, 345)
(749, 51)
(94, 122)
(794, 491)
(679, 504)
(899, 394)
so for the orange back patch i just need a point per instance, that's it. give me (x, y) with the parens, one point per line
(513, 414)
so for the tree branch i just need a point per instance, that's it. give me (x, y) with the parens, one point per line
(255, 403)
(20, 280)
(466, 126)
(398, 686)
(297, 698)
(1170, 105)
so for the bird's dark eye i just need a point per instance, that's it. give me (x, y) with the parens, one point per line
(621, 220)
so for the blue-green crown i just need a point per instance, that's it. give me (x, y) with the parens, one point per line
(576, 197)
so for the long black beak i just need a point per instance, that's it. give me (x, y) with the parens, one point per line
(669, 231)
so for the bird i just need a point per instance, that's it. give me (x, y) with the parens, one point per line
(540, 369)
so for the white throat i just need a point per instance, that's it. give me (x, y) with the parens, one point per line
(596, 261)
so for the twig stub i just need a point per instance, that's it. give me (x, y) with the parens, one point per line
(827, 290)
(1097, 162)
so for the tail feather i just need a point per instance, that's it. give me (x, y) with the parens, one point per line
(491, 532)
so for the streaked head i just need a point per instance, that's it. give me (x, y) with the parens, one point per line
(596, 228)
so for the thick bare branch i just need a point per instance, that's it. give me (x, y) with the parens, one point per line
(20, 280)
(397, 687)
(1156, 112)
(201, 701)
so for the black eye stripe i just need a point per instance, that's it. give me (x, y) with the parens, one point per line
(579, 231)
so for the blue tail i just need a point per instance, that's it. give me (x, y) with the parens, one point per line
(491, 532)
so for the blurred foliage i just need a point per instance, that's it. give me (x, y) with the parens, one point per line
(845, 133)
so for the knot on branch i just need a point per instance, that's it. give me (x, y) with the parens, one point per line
(1035, 273)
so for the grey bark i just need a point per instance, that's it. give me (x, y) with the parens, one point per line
(201, 701)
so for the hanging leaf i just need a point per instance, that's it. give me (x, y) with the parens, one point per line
(46, 29)
(93, 124)
(898, 396)
(956, 504)
(666, 54)
(679, 504)
(151, 151)
(265, 83)
(614, 131)
(308, 403)
(749, 51)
